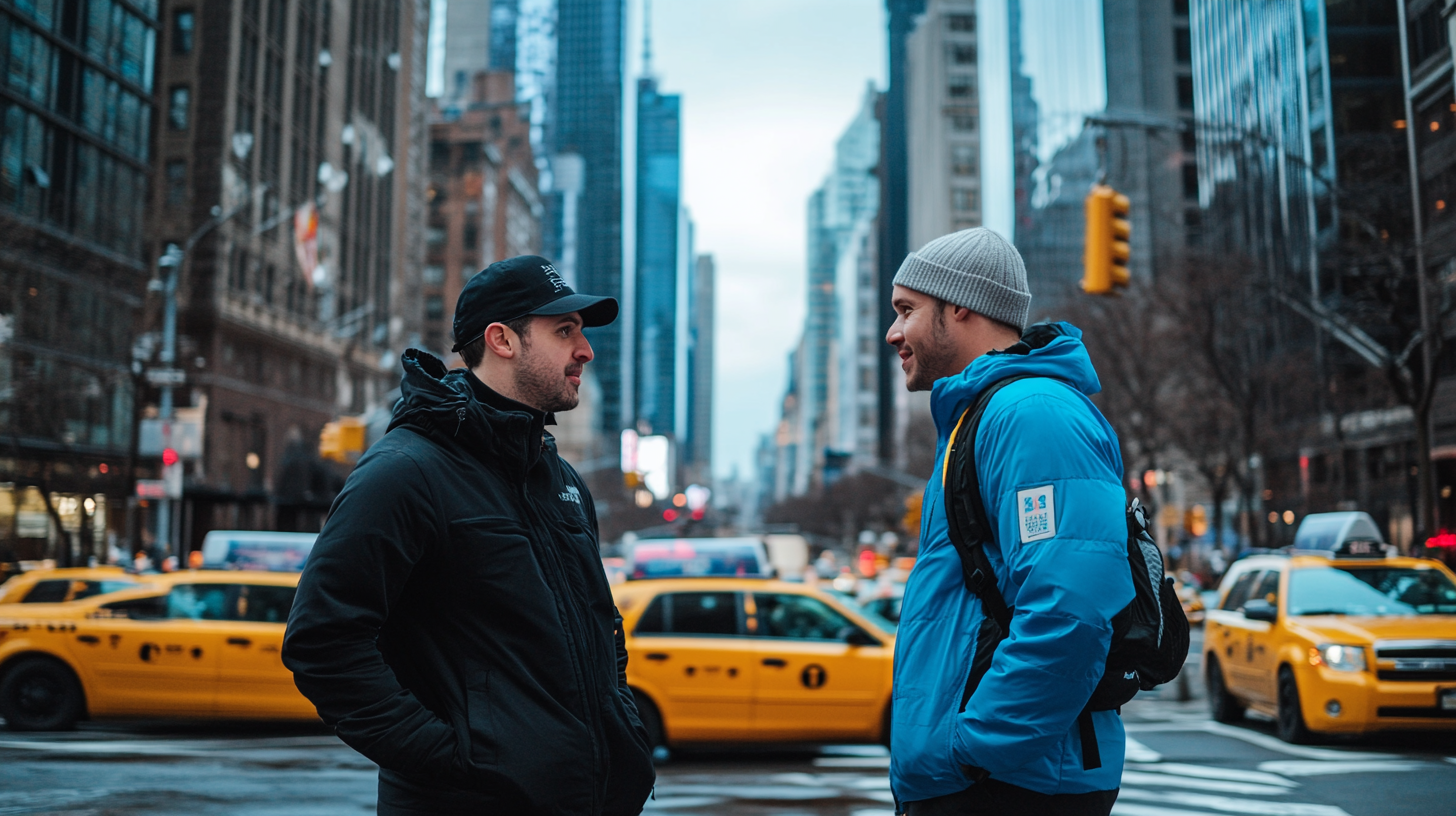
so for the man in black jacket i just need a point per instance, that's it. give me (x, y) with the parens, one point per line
(453, 622)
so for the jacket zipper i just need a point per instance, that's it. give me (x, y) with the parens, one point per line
(578, 641)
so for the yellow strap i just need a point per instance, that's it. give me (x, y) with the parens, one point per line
(950, 447)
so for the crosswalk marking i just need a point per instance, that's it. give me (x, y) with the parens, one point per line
(1226, 804)
(1129, 809)
(1231, 774)
(1196, 783)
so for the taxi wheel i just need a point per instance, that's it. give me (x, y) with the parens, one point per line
(1222, 706)
(1290, 725)
(40, 694)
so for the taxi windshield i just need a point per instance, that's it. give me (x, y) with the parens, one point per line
(1371, 591)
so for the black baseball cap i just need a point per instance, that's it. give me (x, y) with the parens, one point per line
(521, 286)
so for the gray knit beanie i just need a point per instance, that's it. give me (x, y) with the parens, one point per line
(975, 268)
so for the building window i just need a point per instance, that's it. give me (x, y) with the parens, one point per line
(1185, 93)
(471, 236)
(963, 53)
(1190, 181)
(964, 201)
(1428, 35)
(961, 86)
(963, 160)
(182, 27)
(434, 307)
(435, 237)
(176, 183)
(434, 275)
(961, 22)
(963, 123)
(1182, 45)
(178, 100)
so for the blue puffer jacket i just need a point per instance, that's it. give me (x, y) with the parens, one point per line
(1065, 584)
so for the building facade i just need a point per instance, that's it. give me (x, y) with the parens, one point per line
(655, 313)
(583, 124)
(76, 151)
(697, 442)
(483, 201)
(943, 122)
(292, 146)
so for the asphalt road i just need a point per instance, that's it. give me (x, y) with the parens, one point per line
(1179, 764)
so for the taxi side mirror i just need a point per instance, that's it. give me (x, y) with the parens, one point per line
(1260, 610)
(855, 636)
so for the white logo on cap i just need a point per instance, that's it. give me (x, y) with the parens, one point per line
(556, 282)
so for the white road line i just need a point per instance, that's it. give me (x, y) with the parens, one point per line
(852, 762)
(1222, 804)
(1137, 752)
(1129, 809)
(1259, 777)
(1307, 767)
(1195, 783)
(1255, 738)
(119, 747)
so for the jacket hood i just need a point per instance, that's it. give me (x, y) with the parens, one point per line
(1045, 350)
(439, 402)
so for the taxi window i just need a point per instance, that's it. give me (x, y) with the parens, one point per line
(264, 604)
(799, 617)
(1268, 588)
(691, 613)
(1371, 591)
(154, 608)
(47, 592)
(1239, 592)
(200, 601)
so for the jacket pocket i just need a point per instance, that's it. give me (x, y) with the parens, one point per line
(480, 717)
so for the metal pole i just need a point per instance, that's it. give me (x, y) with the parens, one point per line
(172, 260)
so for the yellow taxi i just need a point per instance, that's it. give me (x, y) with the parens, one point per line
(754, 660)
(1342, 642)
(203, 644)
(66, 584)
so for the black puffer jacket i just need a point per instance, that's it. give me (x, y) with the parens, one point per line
(454, 624)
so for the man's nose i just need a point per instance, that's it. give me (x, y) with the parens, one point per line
(584, 352)
(895, 335)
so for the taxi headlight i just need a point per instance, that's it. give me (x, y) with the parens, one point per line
(1343, 658)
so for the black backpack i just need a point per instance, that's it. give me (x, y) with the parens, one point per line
(1150, 634)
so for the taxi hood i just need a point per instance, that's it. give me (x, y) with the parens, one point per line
(1366, 629)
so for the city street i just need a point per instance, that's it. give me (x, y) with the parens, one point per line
(1179, 764)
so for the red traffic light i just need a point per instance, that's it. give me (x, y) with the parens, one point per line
(698, 514)
(169, 456)
(669, 514)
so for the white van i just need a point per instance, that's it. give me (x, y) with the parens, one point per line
(256, 550)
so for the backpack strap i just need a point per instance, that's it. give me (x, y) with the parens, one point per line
(965, 513)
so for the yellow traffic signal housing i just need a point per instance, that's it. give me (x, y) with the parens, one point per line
(342, 440)
(1106, 252)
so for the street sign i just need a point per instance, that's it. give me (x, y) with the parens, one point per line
(151, 489)
(166, 376)
(172, 480)
(181, 435)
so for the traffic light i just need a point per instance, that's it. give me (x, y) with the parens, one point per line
(342, 440)
(1104, 264)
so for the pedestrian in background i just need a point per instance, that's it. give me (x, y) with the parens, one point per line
(453, 622)
(979, 728)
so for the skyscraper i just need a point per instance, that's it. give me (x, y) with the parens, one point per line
(75, 152)
(697, 444)
(585, 120)
(659, 205)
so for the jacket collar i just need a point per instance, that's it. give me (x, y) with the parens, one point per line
(444, 404)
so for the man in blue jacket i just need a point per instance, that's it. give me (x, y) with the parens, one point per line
(1013, 747)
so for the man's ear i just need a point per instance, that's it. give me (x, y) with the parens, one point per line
(961, 313)
(501, 341)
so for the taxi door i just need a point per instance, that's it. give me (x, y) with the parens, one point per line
(1242, 639)
(252, 680)
(1262, 651)
(689, 653)
(150, 657)
(812, 682)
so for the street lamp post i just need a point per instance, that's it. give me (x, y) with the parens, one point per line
(174, 259)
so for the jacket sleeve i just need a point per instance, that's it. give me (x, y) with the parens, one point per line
(1064, 589)
(377, 530)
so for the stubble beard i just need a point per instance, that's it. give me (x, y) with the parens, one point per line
(543, 386)
(935, 360)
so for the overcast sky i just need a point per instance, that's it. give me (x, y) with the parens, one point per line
(767, 87)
